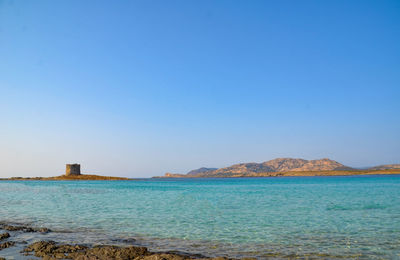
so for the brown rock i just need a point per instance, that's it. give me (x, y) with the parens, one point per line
(43, 230)
(4, 236)
(13, 228)
(164, 257)
(51, 251)
(6, 245)
(29, 229)
(113, 252)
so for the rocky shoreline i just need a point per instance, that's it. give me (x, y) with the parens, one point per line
(49, 250)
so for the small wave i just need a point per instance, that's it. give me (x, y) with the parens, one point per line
(356, 207)
(375, 206)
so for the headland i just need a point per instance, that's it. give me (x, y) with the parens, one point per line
(286, 167)
(72, 173)
(81, 177)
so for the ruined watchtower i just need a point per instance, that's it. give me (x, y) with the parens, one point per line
(73, 169)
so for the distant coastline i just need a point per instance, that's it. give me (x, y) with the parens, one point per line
(293, 174)
(286, 167)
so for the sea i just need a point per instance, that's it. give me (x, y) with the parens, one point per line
(346, 217)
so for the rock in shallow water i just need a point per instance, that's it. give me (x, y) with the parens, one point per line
(14, 228)
(6, 245)
(52, 250)
(4, 236)
(24, 228)
(43, 230)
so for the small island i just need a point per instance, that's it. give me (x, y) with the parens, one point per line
(72, 173)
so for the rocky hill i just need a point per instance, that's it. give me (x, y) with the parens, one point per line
(202, 170)
(269, 168)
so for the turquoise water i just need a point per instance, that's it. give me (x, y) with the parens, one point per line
(351, 217)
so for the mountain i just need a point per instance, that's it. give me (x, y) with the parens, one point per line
(201, 170)
(192, 173)
(269, 168)
(385, 167)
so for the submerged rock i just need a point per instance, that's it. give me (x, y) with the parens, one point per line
(25, 228)
(14, 228)
(124, 240)
(4, 236)
(6, 245)
(43, 230)
(52, 250)
(29, 230)
(112, 252)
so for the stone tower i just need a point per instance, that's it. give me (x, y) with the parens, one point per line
(73, 169)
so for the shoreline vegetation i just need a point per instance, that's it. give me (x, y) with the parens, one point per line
(49, 250)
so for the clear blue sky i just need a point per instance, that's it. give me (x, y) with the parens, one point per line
(139, 88)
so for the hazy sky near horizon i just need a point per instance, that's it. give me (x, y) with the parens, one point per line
(140, 88)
